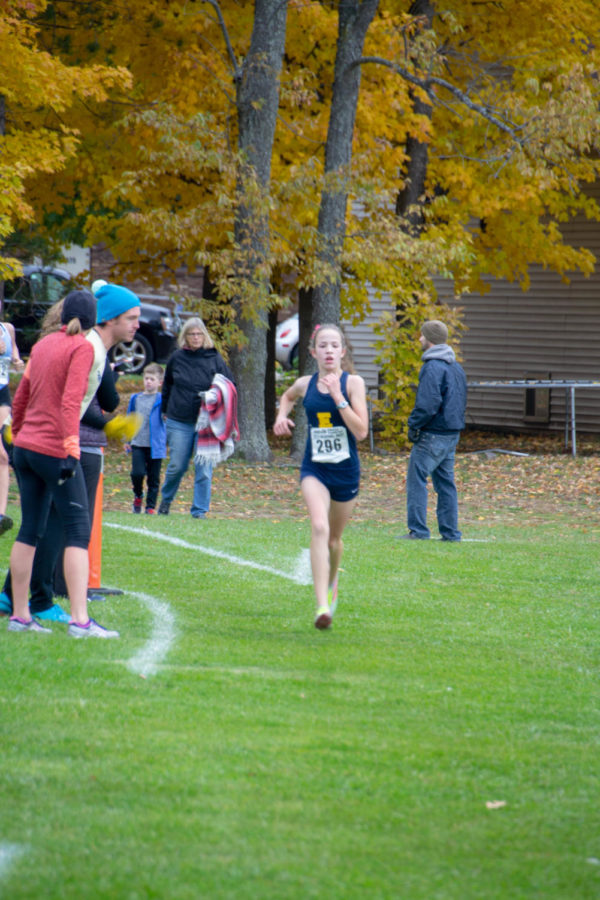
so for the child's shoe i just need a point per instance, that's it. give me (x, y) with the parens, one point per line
(163, 509)
(137, 505)
(150, 511)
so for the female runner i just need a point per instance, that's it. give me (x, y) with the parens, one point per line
(46, 412)
(336, 409)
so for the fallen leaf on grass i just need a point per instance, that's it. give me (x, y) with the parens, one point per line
(495, 804)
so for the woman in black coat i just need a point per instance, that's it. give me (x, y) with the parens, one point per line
(190, 371)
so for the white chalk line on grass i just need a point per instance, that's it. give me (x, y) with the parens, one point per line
(300, 575)
(9, 853)
(147, 660)
(150, 657)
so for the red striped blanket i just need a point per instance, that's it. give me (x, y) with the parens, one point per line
(217, 425)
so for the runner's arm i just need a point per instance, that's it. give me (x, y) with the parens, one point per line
(16, 356)
(283, 424)
(356, 416)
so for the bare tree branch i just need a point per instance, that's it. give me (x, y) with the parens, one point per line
(426, 85)
(236, 67)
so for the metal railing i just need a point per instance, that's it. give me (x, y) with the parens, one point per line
(569, 386)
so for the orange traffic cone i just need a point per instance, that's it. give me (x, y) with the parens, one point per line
(95, 545)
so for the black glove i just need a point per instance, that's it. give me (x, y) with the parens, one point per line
(413, 435)
(67, 469)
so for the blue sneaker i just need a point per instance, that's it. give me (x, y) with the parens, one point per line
(5, 605)
(54, 614)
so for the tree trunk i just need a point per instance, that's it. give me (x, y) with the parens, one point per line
(411, 199)
(306, 365)
(322, 304)
(355, 16)
(270, 392)
(257, 101)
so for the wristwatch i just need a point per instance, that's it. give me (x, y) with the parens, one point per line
(343, 404)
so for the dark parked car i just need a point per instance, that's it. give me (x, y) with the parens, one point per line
(28, 298)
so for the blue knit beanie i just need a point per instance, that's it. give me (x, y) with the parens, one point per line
(113, 300)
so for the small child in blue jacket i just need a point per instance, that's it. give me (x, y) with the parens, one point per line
(149, 446)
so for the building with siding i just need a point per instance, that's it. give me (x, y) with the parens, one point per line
(550, 331)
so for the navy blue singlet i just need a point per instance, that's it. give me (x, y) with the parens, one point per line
(340, 478)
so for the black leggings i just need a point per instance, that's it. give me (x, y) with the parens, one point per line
(53, 542)
(143, 466)
(38, 483)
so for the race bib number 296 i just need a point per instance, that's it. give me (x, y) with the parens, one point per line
(329, 445)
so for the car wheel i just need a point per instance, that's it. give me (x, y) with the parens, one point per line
(133, 357)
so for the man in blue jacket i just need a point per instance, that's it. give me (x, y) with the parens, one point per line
(434, 427)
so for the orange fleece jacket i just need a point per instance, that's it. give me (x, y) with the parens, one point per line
(47, 403)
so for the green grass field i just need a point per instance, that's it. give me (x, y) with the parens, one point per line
(441, 741)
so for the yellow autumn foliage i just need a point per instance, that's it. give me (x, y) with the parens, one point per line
(512, 141)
